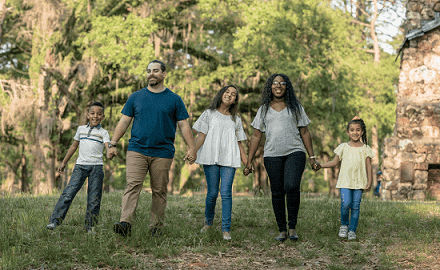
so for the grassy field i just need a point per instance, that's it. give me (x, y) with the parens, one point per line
(391, 235)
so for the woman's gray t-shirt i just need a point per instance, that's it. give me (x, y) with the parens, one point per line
(282, 133)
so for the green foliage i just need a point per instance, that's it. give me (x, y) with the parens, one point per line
(122, 42)
(101, 48)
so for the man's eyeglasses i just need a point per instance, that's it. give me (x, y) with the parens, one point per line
(279, 83)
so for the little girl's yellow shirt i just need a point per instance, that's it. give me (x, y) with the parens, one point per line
(353, 173)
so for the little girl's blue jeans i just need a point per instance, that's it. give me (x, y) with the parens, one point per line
(350, 200)
(213, 173)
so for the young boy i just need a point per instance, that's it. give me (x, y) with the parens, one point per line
(91, 139)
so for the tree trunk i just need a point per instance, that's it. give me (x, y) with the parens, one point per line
(3, 11)
(376, 49)
(375, 148)
(333, 192)
(48, 22)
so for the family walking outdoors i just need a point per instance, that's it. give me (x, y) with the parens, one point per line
(155, 112)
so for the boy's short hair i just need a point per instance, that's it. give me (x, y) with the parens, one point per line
(97, 103)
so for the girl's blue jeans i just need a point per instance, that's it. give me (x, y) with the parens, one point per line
(350, 200)
(80, 173)
(213, 174)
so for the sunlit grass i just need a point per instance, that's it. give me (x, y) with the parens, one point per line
(391, 235)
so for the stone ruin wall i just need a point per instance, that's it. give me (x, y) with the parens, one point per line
(413, 152)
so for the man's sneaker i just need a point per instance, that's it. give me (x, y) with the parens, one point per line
(51, 226)
(343, 231)
(123, 228)
(91, 230)
(351, 235)
(156, 232)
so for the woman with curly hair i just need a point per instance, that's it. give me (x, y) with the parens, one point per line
(283, 119)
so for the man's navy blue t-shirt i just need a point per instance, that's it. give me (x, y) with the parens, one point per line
(155, 116)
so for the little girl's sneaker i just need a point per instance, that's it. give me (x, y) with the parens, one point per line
(351, 235)
(343, 231)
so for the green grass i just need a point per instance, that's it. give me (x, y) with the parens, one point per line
(391, 235)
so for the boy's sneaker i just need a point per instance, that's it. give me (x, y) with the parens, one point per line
(51, 226)
(343, 231)
(91, 230)
(123, 228)
(351, 235)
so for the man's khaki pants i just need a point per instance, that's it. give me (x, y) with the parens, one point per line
(137, 167)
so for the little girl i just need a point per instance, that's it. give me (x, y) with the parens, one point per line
(355, 175)
(219, 150)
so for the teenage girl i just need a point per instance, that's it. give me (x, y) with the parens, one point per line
(283, 119)
(219, 150)
(355, 175)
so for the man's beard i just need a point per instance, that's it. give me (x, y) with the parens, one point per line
(154, 83)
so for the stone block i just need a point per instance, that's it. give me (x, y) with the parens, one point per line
(417, 132)
(404, 188)
(390, 185)
(436, 47)
(434, 36)
(400, 197)
(414, 6)
(419, 195)
(427, 13)
(406, 171)
(419, 159)
(392, 162)
(430, 132)
(422, 73)
(391, 175)
(402, 121)
(433, 158)
(413, 15)
(420, 177)
(432, 61)
(421, 166)
(420, 186)
(414, 25)
(425, 46)
(436, 7)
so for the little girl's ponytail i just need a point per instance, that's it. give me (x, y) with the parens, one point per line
(361, 122)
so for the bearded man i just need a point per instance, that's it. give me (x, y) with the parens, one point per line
(155, 111)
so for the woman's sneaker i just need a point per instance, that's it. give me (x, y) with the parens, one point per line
(343, 231)
(351, 235)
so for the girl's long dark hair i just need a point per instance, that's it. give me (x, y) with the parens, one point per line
(293, 104)
(363, 127)
(217, 101)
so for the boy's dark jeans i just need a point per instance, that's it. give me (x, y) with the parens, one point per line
(80, 173)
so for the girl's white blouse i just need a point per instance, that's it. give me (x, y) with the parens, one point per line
(221, 141)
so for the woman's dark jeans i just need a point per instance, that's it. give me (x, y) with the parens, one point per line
(80, 173)
(285, 174)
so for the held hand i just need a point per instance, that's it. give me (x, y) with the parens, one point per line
(61, 168)
(317, 166)
(191, 156)
(112, 152)
(247, 171)
(314, 164)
